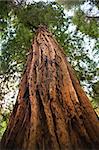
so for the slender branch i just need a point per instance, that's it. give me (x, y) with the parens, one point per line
(96, 17)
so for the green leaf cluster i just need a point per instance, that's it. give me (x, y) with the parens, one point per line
(89, 26)
(70, 3)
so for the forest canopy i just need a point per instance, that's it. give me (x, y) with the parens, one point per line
(78, 34)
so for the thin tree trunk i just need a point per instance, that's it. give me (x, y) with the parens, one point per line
(52, 111)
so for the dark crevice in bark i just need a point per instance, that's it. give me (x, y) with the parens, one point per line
(45, 137)
(82, 142)
(55, 129)
(26, 95)
(59, 83)
(15, 109)
(59, 96)
(35, 74)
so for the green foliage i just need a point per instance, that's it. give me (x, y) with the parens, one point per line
(86, 25)
(49, 14)
(74, 3)
(5, 8)
(3, 122)
(70, 3)
(15, 49)
(96, 91)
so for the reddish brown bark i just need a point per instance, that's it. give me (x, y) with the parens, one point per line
(52, 111)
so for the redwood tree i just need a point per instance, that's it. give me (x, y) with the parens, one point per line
(52, 112)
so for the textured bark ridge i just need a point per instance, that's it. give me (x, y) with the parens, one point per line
(52, 111)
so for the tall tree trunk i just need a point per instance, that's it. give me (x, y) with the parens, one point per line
(52, 111)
